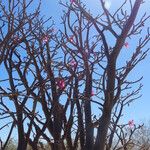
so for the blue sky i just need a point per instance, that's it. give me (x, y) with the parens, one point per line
(140, 109)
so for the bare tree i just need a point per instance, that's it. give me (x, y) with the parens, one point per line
(114, 78)
(141, 138)
(63, 85)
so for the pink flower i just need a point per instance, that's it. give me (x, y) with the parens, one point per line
(126, 44)
(71, 38)
(61, 84)
(45, 39)
(72, 1)
(73, 63)
(92, 93)
(131, 123)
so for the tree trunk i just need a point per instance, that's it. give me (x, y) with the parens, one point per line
(22, 143)
(88, 126)
(102, 131)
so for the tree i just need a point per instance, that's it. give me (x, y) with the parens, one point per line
(55, 78)
(141, 138)
(11, 145)
(132, 138)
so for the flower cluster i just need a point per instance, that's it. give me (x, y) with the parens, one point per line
(126, 44)
(45, 39)
(73, 63)
(131, 123)
(61, 84)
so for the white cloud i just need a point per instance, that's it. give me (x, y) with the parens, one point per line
(107, 4)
